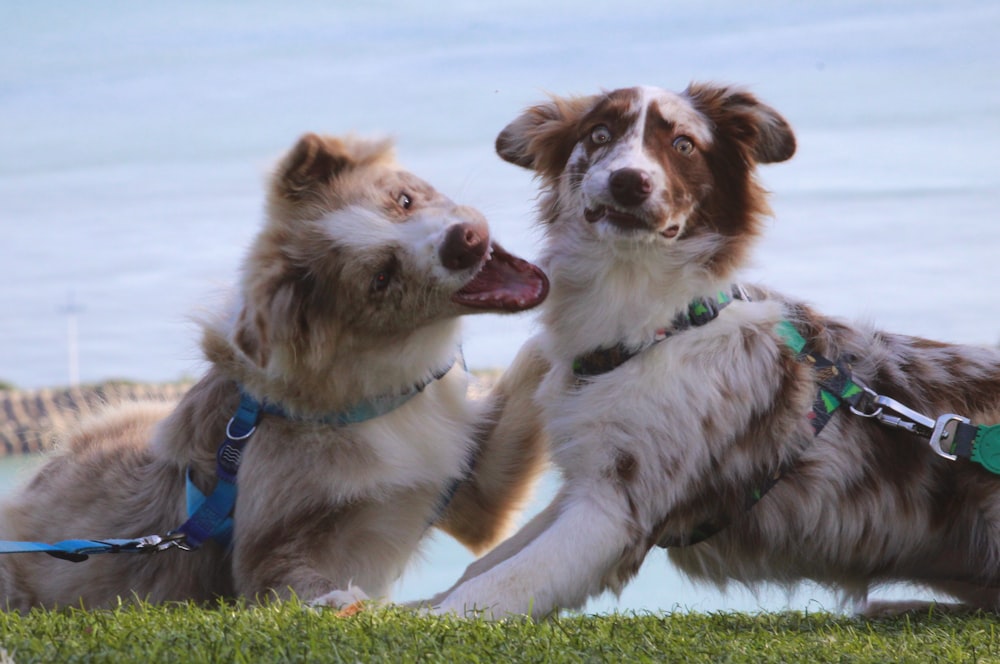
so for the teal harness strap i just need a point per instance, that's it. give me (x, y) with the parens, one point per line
(211, 516)
(222, 528)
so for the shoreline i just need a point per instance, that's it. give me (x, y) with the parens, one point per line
(29, 419)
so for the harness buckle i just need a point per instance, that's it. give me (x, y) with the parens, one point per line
(944, 429)
(157, 543)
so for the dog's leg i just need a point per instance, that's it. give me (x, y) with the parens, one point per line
(873, 609)
(510, 456)
(971, 598)
(504, 550)
(560, 567)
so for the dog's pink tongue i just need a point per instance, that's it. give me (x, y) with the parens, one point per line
(505, 283)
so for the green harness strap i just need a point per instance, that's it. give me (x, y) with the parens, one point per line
(837, 387)
(978, 443)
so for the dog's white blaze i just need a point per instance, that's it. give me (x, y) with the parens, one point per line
(626, 151)
(360, 228)
(677, 108)
(630, 151)
(420, 235)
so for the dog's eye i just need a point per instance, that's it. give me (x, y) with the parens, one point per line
(405, 201)
(384, 276)
(684, 145)
(600, 135)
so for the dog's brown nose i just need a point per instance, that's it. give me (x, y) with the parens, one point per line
(464, 246)
(630, 186)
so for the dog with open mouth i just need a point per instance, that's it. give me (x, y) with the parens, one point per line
(688, 411)
(344, 334)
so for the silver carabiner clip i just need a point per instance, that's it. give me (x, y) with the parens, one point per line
(910, 414)
(157, 543)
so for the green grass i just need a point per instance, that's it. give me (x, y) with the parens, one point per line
(289, 632)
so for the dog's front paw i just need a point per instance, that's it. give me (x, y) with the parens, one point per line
(349, 601)
(463, 606)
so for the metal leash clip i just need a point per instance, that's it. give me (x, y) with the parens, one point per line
(937, 431)
(157, 543)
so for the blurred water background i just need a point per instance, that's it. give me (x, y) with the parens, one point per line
(135, 138)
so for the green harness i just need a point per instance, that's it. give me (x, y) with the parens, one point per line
(950, 436)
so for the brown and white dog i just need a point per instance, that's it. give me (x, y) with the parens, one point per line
(351, 292)
(649, 202)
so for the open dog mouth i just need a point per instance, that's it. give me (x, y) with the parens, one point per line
(625, 221)
(504, 283)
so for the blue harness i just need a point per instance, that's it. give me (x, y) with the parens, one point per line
(211, 517)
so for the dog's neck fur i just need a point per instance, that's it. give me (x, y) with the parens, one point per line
(605, 292)
(343, 375)
(193, 432)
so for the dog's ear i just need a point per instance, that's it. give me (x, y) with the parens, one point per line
(739, 116)
(265, 312)
(251, 335)
(316, 160)
(543, 136)
(274, 312)
(312, 162)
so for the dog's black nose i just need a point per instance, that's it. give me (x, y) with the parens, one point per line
(630, 186)
(464, 246)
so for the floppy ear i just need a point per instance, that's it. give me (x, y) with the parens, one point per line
(542, 138)
(313, 161)
(251, 335)
(738, 115)
(266, 311)
(275, 312)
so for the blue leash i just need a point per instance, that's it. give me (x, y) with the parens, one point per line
(210, 517)
(78, 550)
